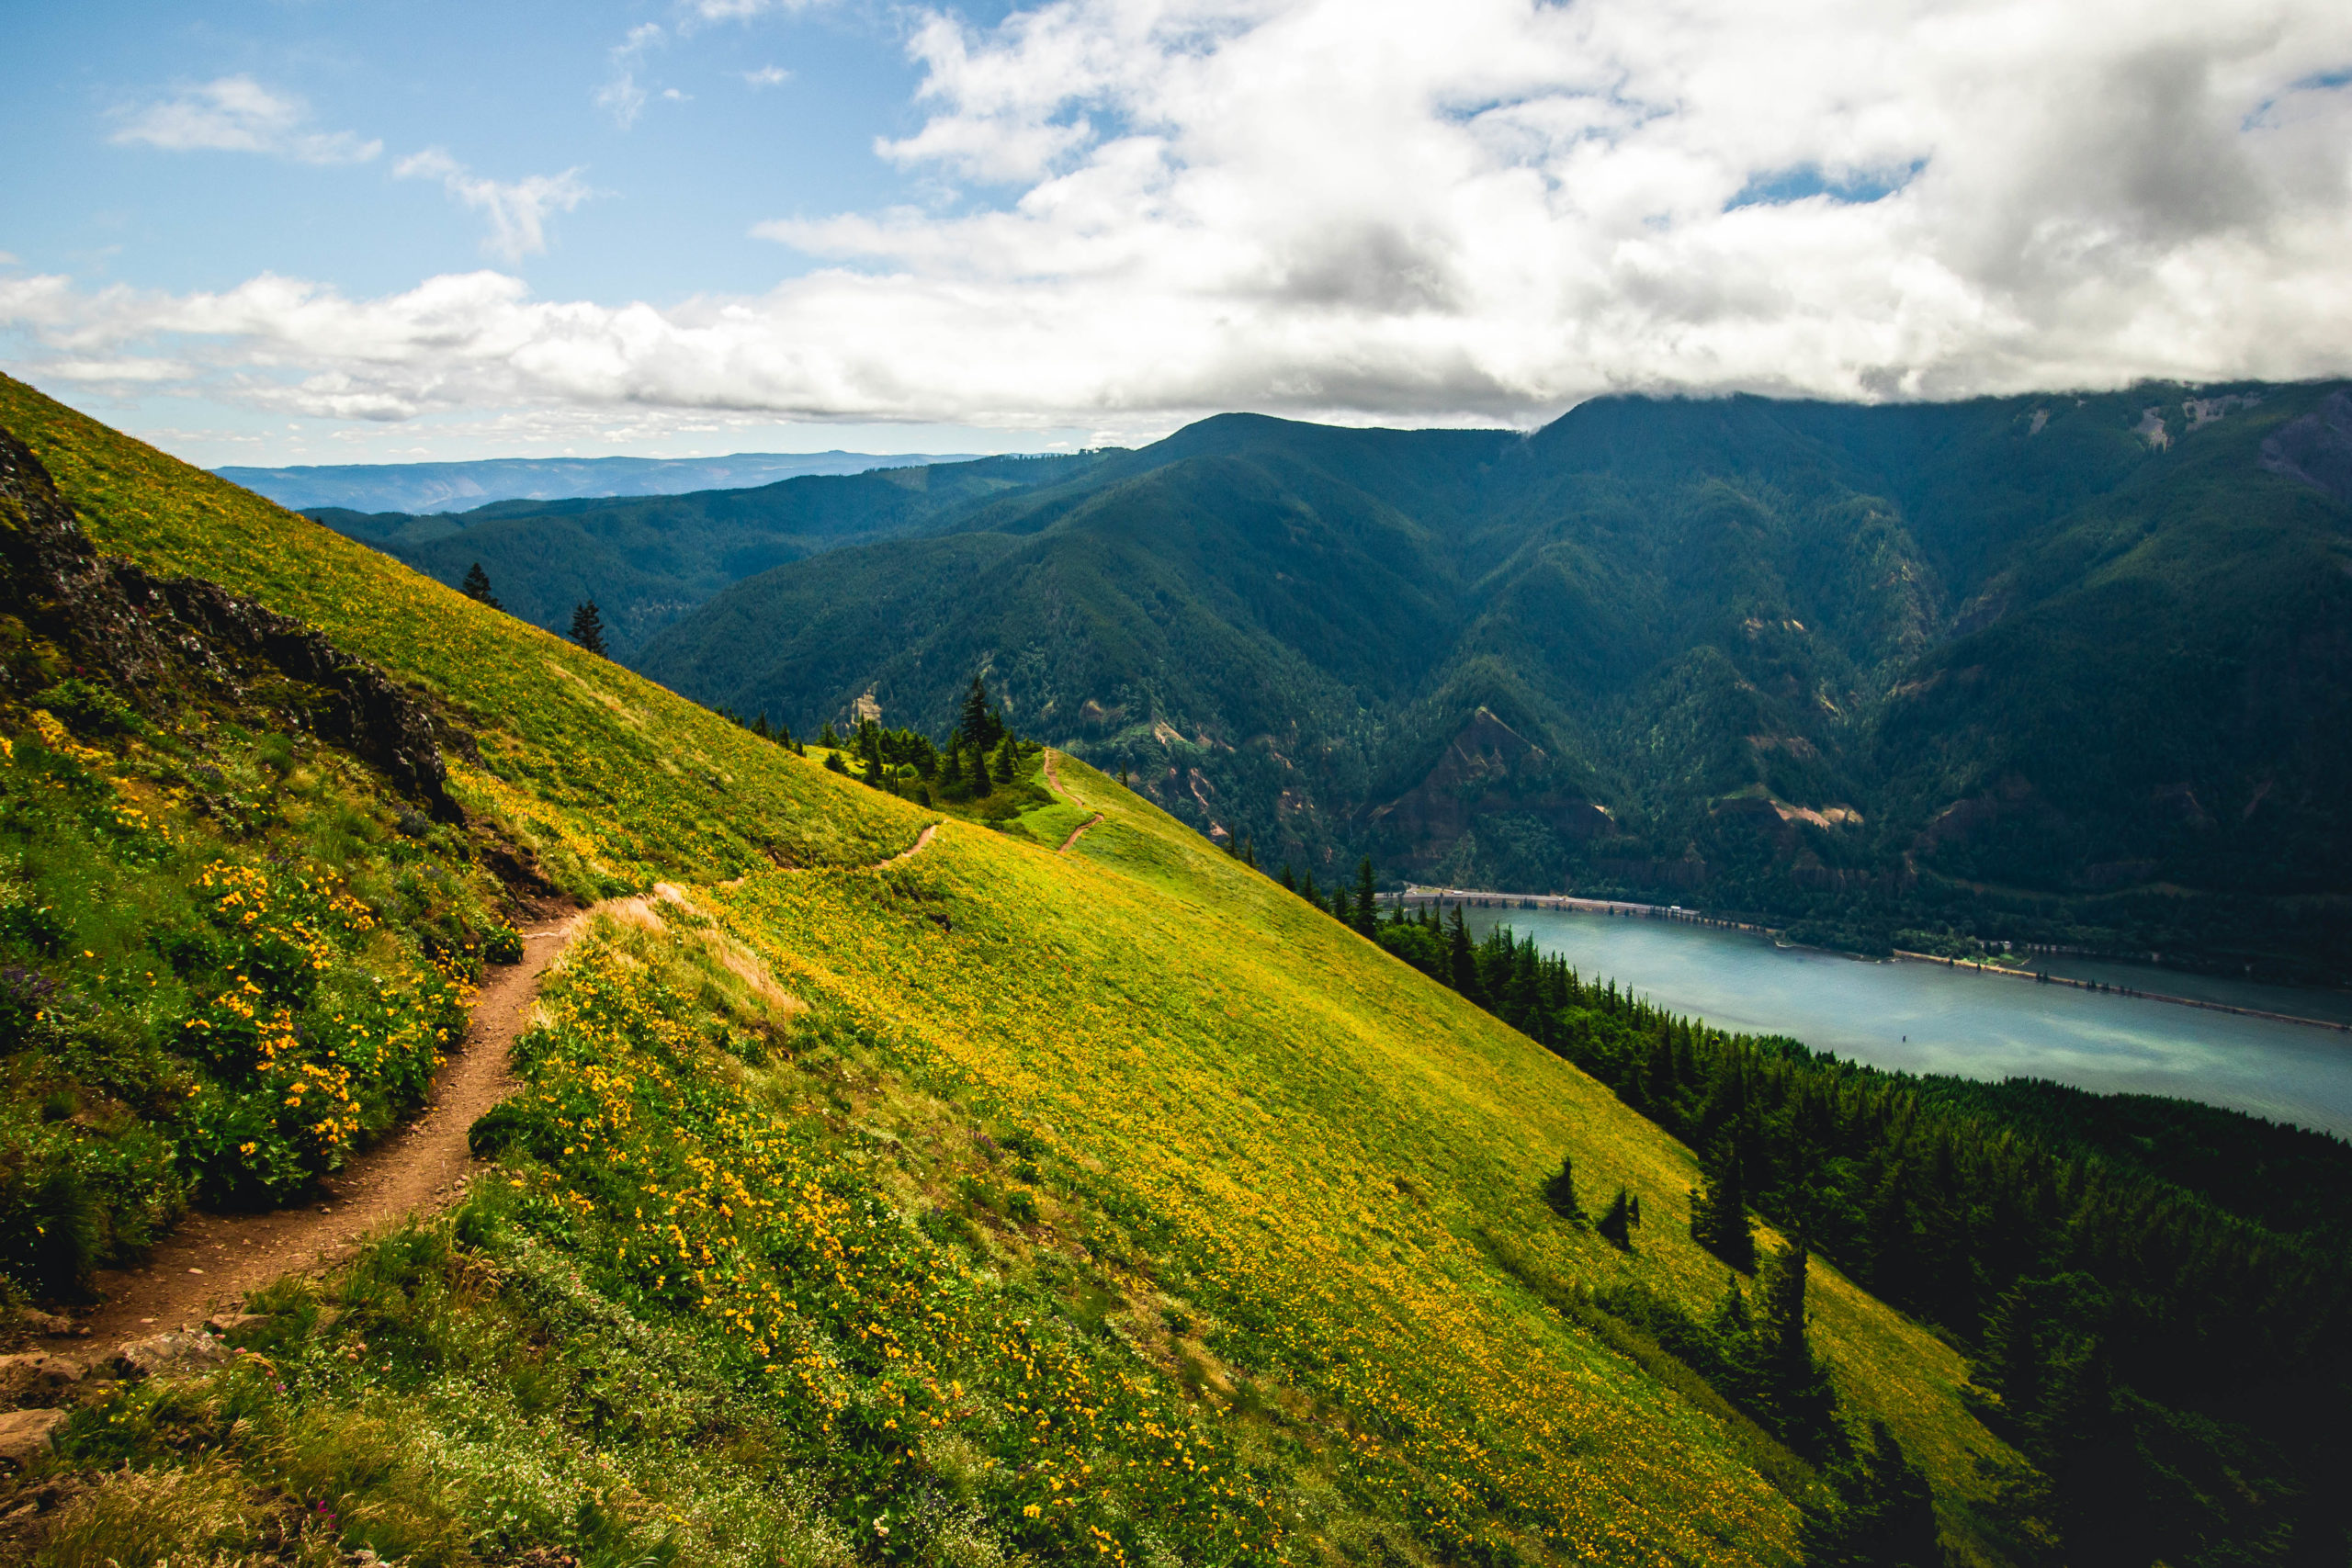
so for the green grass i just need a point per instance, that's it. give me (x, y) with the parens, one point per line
(1231, 1241)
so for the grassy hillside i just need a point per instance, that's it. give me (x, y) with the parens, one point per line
(996, 1205)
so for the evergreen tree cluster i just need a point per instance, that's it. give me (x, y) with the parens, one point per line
(2175, 1372)
(983, 754)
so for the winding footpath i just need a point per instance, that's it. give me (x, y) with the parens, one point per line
(1053, 783)
(211, 1261)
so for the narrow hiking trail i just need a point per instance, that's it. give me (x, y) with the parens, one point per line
(1053, 783)
(211, 1261)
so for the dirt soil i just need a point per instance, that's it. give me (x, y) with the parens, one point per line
(211, 1260)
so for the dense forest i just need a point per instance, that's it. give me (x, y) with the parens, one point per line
(2154, 1297)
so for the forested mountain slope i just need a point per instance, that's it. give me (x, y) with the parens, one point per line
(2056, 669)
(647, 559)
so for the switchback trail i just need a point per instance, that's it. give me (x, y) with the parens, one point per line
(210, 1261)
(1053, 783)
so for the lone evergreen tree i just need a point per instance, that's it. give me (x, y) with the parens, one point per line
(828, 738)
(1880, 1513)
(1560, 1191)
(1719, 1206)
(476, 587)
(1287, 878)
(1365, 892)
(978, 727)
(1616, 1224)
(588, 627)
(1803, 1403)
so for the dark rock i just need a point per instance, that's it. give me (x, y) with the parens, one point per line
(155, 636)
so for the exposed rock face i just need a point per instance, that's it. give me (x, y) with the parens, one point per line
(2317, 448)
(1488, 767)
(154, 636)
(37, 1378)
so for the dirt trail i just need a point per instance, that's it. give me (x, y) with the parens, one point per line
(1053, 781)
(211, 1260)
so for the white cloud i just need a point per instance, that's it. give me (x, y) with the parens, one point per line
(1373, 209)
(237, 114)
(622, 95)
(517, 212)
(768, 76)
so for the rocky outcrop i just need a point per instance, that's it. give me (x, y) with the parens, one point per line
(1487, 768)
(157, 639)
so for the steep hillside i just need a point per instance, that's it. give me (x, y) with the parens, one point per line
(2029, 668)
(997, 1204)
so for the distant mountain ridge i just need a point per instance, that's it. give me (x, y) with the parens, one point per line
(441, 486)
(2060, 668)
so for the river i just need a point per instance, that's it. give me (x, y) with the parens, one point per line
(1924, 1018)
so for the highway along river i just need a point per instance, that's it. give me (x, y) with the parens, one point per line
(1923, 1018)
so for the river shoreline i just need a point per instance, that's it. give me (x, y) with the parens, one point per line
(1488, 899)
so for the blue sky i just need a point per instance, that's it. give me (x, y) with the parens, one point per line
(313, 230)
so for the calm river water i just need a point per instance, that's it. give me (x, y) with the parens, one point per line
(1924, 1018)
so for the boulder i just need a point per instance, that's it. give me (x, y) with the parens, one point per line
(181, 1352)
(27, 1434)
(37, 1377)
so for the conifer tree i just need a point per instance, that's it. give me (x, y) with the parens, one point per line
(1616, 1224)
(1006, 761)
(833, 762)
(979, 725)
(1250, 854)
(951, 771)
(476, 587)
(1461, 961)
(1880, 1513)
(1797, 1389)
(2012, 1363)
(1719, 1206)
(1366, 890)
(588, 627)
(1306, 888)
(828, 738)
(1560, 1191)
(1288, 880)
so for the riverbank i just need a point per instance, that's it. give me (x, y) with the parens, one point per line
(1479, 899)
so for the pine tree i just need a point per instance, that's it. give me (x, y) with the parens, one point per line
(979, 726)
(1288, 880)
(951, 771)
(828, 738)
(1616, 1224)
(833, 762)
(476, 587)
(1306, 888)
(1367, 889)
(1796, 1388)
(588, 627)
(1006, 761)
(1719, 1206)
(1560, 1191)
(2013, 1363)
(1250, 854)
(1461, 961)
(1880, 1513)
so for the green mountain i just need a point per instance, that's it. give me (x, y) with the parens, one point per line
(1016, 1181)
(647, 559)
(2074, 670)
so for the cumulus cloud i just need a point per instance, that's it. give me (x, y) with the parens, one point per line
(517, 211)
(237, 114)
(1372, 210)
